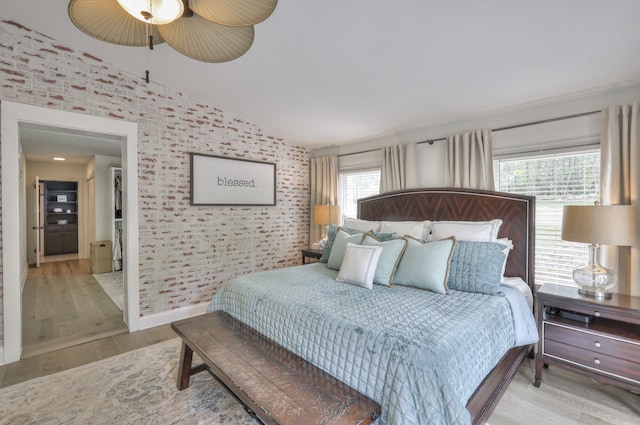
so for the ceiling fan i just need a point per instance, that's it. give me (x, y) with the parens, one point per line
(205, 30)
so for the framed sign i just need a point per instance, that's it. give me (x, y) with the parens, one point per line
(219, 180)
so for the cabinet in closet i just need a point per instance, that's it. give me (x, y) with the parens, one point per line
(60, 217)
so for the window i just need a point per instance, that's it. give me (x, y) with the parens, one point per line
(354, 185)
(555, 179)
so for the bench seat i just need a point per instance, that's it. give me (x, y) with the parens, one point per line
(275, 385)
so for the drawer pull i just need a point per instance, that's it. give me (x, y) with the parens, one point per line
(597, 314)
(597, 344)
(596, 361)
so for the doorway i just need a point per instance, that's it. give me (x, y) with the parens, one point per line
(14, 117)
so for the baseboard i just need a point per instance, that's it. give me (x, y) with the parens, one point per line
(165, 317)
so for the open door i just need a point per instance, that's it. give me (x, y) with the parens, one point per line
(38, 228)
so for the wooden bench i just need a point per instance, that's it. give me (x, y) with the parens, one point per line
(273, 384)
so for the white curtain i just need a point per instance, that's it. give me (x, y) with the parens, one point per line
(620, 185)
(399, 169)
(469, 160)
(324, 190)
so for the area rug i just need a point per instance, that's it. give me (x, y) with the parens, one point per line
(138, 387)
(113, 286)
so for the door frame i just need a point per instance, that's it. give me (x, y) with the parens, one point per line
(14, 271)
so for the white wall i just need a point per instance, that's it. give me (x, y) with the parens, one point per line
(533, 138)
(103, 189)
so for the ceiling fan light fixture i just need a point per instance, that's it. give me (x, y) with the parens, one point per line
(212, 31)
(157, 12)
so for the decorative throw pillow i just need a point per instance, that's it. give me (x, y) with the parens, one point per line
(476, 267)
(466, 230)
(416, 229)
(391, 252)
(339, 245)
(383, 237)
(359, 265)
(362, 225)
(426, 265)
(332, 229)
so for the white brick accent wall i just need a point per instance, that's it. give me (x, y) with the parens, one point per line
(186, 252)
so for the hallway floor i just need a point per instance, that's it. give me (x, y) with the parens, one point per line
(63, 306)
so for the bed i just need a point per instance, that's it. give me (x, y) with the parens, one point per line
(426, 357)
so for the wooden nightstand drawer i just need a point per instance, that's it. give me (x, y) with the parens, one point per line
(603, 312)
(596, 361)
(598, 343)
(606, 349)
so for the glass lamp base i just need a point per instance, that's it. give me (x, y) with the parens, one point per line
(594, 281)
(595, 293)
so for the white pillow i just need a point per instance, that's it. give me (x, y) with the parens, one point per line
(359, 265)
(508, 246)
(416, 229)
(478, 231)
(362, 225)
(339, 245)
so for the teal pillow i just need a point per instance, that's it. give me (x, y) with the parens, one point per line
(331, 235)
(476, 267)
(426, 265)
(340, 242)
(388, 262)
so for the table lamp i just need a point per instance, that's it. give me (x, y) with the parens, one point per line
(324, 215)
(598, 225)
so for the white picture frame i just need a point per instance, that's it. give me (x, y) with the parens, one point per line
(218, 180)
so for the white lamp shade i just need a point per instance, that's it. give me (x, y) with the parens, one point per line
(160, 11)
(600, 224)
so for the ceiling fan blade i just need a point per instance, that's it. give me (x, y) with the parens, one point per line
(207, 41)
(233, 12)
(107, 21)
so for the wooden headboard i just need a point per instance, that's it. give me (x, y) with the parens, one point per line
(437, 204)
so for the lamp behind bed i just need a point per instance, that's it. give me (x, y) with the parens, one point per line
(324, 215)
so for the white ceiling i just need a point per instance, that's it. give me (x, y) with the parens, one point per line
(41, 143)
(328, 72)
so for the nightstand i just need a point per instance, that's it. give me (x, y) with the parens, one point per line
(596, 338)
(311, 253)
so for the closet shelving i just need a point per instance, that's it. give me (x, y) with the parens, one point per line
(60, 217)
(116, 217)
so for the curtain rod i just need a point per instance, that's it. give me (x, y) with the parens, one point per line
(526, 124)
(509, 127)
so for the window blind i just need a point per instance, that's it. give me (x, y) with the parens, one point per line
(555, 180)
(355, 185)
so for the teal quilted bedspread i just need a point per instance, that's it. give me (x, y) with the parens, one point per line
(417, 353)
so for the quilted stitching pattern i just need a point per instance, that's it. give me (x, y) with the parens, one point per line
(397, 345)
(476, 267)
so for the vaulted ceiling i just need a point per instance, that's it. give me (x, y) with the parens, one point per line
(329, 72)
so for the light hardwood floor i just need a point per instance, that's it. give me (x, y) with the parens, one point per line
(564, 398)
(63, 305)
(67, 358)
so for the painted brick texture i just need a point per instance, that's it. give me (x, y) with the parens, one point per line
(186, 252)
